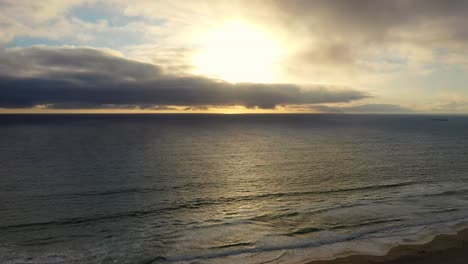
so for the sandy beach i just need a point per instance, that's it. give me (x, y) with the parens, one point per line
(447, 249)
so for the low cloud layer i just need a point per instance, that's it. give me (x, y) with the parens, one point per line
(92, 78)
(364, 109)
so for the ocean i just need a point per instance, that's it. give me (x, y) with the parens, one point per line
(226, 188)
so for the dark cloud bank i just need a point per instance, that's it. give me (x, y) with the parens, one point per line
(91, 78)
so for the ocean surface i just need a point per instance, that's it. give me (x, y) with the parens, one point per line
(226, 188)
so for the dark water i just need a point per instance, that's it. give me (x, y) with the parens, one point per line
(225, 188)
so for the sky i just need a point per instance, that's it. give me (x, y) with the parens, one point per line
(217, 56)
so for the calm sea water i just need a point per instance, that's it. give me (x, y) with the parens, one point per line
(225, 188)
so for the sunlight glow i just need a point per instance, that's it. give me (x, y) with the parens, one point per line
(238, 52)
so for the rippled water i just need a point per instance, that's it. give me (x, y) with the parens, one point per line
(225, 188)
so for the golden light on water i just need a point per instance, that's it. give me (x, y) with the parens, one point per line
(238, 52)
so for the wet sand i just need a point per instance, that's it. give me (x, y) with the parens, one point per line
(444, 249)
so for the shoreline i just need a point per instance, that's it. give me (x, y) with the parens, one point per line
(444, 248)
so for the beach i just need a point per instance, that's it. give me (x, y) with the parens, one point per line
(451, 249)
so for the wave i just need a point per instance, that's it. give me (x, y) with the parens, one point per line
(221, 200)
(198, 203)
(235, 198)
(41, 241)
(102, 193)
(269, 217)
(339, 190)
(376, 233)
(229, 245)
(447, 193)
(78, 220)
(307, 230)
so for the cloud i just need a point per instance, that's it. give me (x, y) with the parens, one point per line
(360, 109)
(449, 103)
(91, 78)
(343, 40)
(400, 51)
(379, 21)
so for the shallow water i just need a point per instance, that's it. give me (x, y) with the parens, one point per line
(225, 188)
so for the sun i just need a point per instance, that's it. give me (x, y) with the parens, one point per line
(238, 52)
